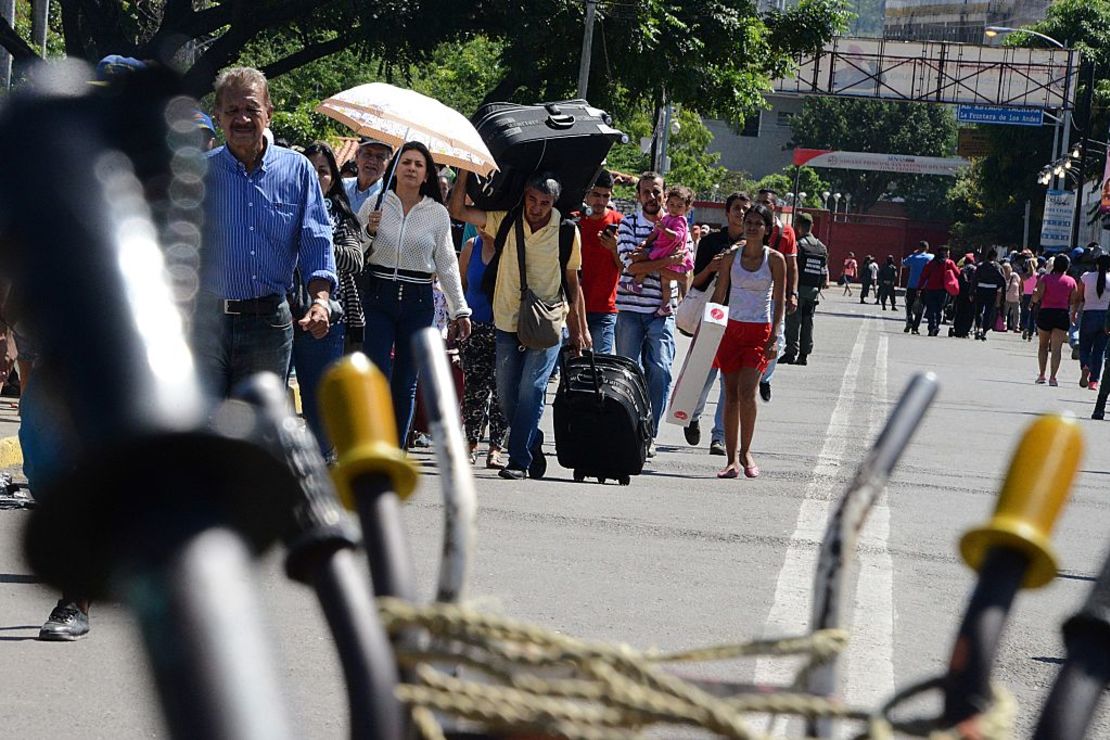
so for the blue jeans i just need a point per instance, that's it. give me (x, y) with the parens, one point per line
(395, 312)
(522, 384)
(230, 348)
(1092, 341)
(310, 358)
(718, 433)
(649, 340)
(602, 328)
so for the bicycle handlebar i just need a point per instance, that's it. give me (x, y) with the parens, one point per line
(321, 542)
(1011, 551)
(163, 510)
(1086, 672)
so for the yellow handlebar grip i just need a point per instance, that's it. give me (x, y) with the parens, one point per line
(1037, 484)
(358, 413)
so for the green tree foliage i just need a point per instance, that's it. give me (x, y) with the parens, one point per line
(875, 126)
(1005, 179)
(727, 53)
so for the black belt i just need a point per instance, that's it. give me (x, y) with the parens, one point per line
(408, 276)
(253, 306)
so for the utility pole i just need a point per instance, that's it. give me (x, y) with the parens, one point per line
(7, 12)
(664, 163)
(587, 49)
(40, 13)
(1025, 234)
(1084, 132)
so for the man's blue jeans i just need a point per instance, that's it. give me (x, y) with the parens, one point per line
(649, 340)
(718, 434)
(310, 358)
(522, 384)
(230, 348)
(602, 328)
(395, 312)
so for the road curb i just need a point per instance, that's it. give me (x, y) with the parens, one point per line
(11, 454)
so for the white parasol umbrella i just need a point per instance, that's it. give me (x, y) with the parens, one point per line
(396, 115)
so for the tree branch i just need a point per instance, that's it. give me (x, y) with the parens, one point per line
(307, 54)
(20, 50)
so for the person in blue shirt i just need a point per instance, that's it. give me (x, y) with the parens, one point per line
(264, 217)
(914, 308)
(371, 160)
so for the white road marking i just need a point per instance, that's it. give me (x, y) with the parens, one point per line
(870, 658)
(789, 614)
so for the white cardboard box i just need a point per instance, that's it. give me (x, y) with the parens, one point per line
(698, 364)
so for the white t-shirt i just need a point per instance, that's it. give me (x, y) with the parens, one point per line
(1091, 299)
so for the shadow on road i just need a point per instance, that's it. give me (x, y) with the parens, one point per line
(18, 578)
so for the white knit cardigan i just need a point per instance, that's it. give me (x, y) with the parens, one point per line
(420, 241)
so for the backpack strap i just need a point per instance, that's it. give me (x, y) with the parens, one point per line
(566, 245)
(489, 277)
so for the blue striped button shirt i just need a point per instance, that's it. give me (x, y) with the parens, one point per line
(260, 225)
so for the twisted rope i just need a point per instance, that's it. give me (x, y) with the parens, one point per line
(561, 686)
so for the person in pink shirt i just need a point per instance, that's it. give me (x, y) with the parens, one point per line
(848, 273)
(1029, 279)
(668, 239)
(1053, 297)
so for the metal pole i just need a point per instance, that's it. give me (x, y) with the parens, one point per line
(7, 12)
(40, 13)
(1025, 234)
(1065, 142)
(1084, 132)
(1055, 146)
(587, 47)
(664, 159)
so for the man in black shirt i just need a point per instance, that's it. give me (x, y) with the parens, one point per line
(710, 250)
(989, 284)
(813, 275)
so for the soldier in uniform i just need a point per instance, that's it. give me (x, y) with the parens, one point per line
(813, 275)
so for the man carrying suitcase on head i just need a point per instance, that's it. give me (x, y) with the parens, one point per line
(553, 256)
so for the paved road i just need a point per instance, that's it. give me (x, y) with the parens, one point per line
(679, 558)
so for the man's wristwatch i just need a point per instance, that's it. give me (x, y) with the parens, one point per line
(323, 303)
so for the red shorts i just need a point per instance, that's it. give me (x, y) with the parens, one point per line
(743, 345)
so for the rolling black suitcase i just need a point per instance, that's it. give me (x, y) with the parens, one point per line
(602, 417)
(569, 138)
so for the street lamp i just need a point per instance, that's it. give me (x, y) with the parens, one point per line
(992, 31)
(847, 200)
(825, 199)
(836, 204)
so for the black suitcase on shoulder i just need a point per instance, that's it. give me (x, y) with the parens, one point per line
(602, 417)
(568, 138)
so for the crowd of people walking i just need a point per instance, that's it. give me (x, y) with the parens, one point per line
(1061, 299)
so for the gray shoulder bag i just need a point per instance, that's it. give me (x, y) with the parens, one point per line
(540, 323)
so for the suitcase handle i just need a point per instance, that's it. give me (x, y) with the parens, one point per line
(589, 353)
(557, 119)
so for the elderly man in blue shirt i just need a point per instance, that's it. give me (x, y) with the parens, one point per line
(264, 217)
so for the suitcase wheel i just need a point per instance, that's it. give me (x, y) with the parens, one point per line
(579, 476)
(624, 480)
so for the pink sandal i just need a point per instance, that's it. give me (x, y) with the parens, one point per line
(729, 472)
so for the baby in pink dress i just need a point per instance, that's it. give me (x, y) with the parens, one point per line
(669, 239)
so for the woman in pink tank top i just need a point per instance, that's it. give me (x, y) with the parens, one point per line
(1053, 297)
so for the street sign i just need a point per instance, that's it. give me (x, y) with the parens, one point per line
(999, 115)
(972, 143)
(1059, 207)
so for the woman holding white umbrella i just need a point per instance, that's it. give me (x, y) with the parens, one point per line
(410, 244)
